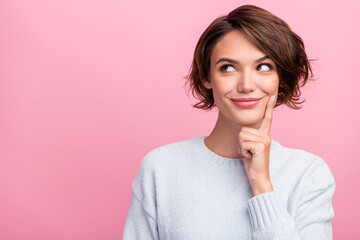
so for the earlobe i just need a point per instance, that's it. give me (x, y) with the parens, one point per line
(207, 85)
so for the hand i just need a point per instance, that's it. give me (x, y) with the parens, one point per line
(255, 146)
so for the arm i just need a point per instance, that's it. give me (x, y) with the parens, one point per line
(271, 220)
(141, 222)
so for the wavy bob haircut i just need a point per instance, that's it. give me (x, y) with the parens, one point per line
(272, 36)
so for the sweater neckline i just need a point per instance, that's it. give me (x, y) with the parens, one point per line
(220, 161)
(217, 160)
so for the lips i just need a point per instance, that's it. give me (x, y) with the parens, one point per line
(245, 99)
(246, 102)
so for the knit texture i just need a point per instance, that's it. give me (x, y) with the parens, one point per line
(183, 190)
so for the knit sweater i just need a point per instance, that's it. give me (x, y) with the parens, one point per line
(183, 190)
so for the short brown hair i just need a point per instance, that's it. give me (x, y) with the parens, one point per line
(271, 35)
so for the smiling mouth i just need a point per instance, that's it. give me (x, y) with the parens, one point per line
(247, 102)
(245, 99)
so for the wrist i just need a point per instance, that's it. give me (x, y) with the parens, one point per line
(261, 187)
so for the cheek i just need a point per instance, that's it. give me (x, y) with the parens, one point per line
(271, 86)
(223, 85)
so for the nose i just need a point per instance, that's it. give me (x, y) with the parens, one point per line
(246, 82)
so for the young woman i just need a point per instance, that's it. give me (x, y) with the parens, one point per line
(237, 183)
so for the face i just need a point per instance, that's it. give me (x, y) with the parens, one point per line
(246, 74)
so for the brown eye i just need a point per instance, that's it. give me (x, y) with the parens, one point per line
(267, 67)
(224, 67)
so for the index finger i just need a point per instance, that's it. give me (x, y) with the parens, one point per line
(266, 124)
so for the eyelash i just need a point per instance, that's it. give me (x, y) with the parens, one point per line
(224, 66)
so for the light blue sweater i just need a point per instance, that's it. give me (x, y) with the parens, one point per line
(185, 191)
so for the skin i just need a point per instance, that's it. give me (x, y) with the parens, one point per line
(237, 128)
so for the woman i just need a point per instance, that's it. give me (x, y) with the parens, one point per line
(237, 183)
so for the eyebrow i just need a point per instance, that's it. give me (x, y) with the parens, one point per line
(237, 62)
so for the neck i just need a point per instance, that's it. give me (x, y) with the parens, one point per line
(224, 138)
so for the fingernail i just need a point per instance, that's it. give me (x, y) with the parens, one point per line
(239, 150)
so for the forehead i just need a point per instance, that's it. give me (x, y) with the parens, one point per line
(236, 45)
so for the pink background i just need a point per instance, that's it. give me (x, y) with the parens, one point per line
(87, 88)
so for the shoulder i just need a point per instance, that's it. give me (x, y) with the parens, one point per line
(160, 162)
(304, 164)
(169, 154)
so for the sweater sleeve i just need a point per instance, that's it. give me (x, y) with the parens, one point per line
(312, 220)
(141, 221)
(139, 224)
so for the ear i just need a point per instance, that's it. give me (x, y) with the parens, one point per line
(207, 84)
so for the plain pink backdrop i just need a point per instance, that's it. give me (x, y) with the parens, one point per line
(87, 88)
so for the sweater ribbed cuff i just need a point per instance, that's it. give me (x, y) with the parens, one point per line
(266, 211)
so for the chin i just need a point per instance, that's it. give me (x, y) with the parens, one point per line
(248, 121)
(249, 116)
(245, 118)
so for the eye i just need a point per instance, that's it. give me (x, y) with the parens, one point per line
(267, 68)
(225, 67)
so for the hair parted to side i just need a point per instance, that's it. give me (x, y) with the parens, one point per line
(272, 36)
